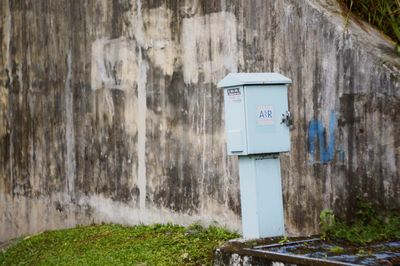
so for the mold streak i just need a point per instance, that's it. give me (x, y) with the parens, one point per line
(70, 172)
(142, 130)
(142, 106)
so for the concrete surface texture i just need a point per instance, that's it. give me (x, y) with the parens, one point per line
(109, 110)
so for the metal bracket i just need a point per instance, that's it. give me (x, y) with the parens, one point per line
(287, 119)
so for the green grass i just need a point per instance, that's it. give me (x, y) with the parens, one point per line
(119, 245)
(383, 14)
(368, 226)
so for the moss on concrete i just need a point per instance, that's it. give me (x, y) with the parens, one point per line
(118, 245)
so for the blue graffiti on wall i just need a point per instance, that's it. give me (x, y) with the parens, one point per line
(317, 132)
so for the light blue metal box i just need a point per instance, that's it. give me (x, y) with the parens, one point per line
(257, 124)
(255, 104)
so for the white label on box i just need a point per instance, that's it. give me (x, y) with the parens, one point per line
(234, 94)
(265, 115)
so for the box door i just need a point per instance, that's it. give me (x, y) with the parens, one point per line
(264, 108)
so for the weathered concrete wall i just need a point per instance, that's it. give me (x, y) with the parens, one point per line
(109, 110)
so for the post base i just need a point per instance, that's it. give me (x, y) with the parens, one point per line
(261, 196)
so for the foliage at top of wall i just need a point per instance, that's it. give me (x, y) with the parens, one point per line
(383, 14)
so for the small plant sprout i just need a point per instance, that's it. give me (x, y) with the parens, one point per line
(284, 240)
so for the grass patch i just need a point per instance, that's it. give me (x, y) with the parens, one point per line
(383, 14)
(119, 245)
(368, 226)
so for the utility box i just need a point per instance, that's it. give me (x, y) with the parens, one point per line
(256, 113)
(257, 123)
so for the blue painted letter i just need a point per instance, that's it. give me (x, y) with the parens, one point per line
(316, 130)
